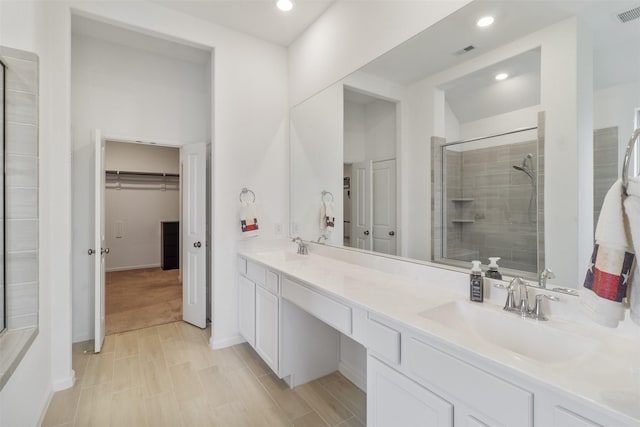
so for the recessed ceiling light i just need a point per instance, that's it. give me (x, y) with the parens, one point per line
(285, 5)
(485, 21)
(502, 76)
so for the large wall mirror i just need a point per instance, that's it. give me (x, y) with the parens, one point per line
(468, 142)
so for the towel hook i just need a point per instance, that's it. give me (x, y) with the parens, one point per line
(324, 193)
(244, 191)
(627, 159)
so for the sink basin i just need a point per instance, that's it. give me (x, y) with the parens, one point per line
(525, 338)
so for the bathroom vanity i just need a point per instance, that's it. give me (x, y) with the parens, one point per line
(433, 357)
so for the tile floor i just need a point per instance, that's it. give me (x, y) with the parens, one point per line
(168, 376)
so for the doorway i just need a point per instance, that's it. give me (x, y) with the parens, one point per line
(370, 173)
(143, 285)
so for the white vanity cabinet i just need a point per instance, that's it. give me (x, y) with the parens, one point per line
(258, 310)
(247, 309)
(267, 327)
(395, 400)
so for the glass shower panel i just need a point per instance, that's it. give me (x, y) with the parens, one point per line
(490, 200)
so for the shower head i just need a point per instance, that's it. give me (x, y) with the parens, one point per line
(526, 166)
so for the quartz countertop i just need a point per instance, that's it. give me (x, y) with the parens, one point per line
(608, 376)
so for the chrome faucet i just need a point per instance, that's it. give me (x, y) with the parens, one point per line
(523, 308)
(302, 248)
(545, 275)
(322, 237)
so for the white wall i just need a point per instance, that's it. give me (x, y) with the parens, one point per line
(139, 208)
(380, 130)
(353, 132)
(369, 131)
(614, 106)
(500, 123)
(24, 397)
(352, 33)
(130, 93)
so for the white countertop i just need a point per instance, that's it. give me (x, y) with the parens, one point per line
(608, 376)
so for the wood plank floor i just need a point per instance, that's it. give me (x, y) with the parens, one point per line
(141, 298)
(168, 376)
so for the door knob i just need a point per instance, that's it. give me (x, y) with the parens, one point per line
(91, 252)
(366, 232)
(104, 251)
(392, 233)
(197, 244)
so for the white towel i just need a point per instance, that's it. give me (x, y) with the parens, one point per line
(248, 219)
(327, 218)
(610, 266)
(632, 209)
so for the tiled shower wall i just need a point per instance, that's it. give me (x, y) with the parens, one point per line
(488, 206)
(605, 166)
(21, 187)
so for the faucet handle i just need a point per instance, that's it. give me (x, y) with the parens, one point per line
(537, 310)
(545, 275)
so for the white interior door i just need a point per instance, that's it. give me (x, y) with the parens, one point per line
(99, 250)
(194, 253)
(361, 211)
(384, 206)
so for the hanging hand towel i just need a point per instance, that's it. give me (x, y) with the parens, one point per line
(248, 219)
(327, 220)
(632, 209)
(610, 264)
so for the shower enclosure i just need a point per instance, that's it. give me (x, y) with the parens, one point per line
(488, 195)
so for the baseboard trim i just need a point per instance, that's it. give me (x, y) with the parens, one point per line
(132, 267)
(225, 342)
(352, 375)
(64, 383)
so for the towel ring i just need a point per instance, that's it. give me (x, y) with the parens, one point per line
(627, 159)
(324, 193)
(244, 191)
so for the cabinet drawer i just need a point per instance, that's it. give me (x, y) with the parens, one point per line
(329, 311)
(272, 282)
(484, 393)
(242, 266)
(383, 340)
(256, 272)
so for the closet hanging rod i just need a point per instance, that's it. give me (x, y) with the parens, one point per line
(164, 174)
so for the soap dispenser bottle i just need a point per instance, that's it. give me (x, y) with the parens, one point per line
(493, 272)
(476, 288)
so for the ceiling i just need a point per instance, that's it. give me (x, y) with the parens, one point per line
(259, 18)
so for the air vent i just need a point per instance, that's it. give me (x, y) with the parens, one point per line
(464, 50)
(629, 15)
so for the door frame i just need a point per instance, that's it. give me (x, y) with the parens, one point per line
(173, 144)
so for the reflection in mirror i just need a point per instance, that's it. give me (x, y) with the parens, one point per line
(573, 73)
(488, 190)
(370, 133)
(3, 307)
